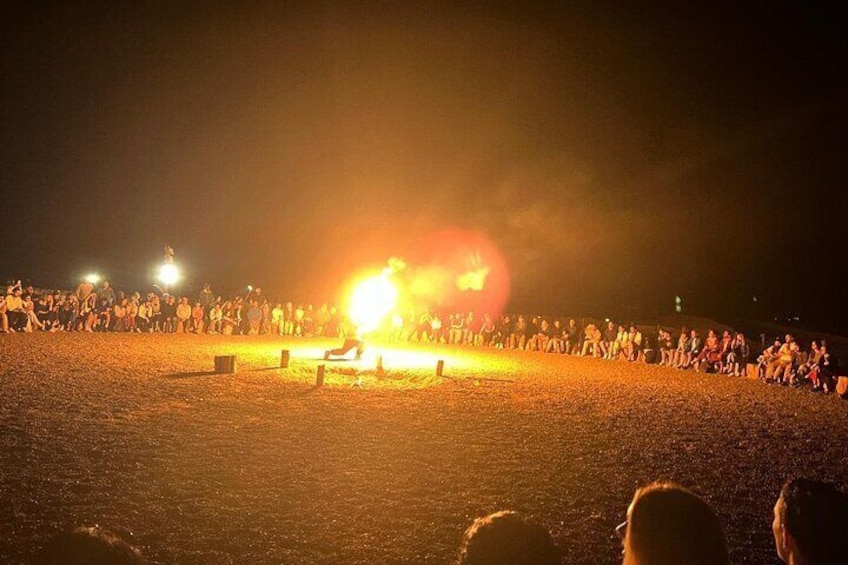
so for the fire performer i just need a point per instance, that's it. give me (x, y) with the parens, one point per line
(352, 340)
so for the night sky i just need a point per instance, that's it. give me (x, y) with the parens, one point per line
(618, 155)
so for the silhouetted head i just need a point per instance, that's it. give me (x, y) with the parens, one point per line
(668, 525)
(88, 546)
(505, 538)
(810, 521)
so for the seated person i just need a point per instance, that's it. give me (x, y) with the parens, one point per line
(634, 344)
(668, 524)
(592, 341)
(666, 347)
(608, 341)
(692, 352)
(828, 369)
(768, 355)
(810, 523)
(737, 359)
(556, 342)
(726, 347)
(808, 369)
(505, 538)
(518, 339)
(622, 338)
(571, 334)
(541, 333)
(710, 356)
(683, 345)
(780, 366)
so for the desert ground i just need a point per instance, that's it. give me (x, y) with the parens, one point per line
(135, 433)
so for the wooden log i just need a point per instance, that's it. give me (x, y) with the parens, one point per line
(751, 370)
(284, 359)
(319, 377)
(225, 364)
(842, 386)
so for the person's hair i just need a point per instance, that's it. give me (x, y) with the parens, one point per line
(816, 515)
(506, 537)
(669, 524)
(88, 546)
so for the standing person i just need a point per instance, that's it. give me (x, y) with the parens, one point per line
(106, 295)
(206, 298)
(352, 340)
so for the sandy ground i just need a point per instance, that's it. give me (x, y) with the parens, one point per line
(133, 433)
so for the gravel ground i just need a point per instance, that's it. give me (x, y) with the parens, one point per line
(132, 432)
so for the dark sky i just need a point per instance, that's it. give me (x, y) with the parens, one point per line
(618, 155)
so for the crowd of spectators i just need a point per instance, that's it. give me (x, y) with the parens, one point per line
(665, 524)
(104, 309)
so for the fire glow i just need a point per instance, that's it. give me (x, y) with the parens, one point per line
(457, 272)
(372, 300)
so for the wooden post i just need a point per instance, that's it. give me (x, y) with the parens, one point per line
(225, 364)
(284, 359)
(319, 377)
(379, 364)
(440, 368)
